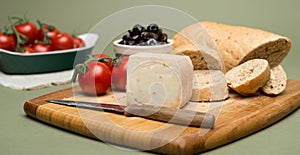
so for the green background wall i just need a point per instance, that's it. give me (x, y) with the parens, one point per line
(80, 16)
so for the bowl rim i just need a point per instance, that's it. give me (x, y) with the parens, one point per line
(82, 36)
(116, 43)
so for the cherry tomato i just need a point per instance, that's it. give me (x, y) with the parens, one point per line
(7, 42)
(78, 42)
(119, 74)
(62, 41)
(40, 47)
(28, 49)
(29, 30)
(96, 80)
(51, 32)
(109, 63)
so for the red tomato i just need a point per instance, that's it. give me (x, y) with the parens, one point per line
(28, 49)
(96, 80)
(28, 29)
(7, 42)
(78, 42)
(62, 41)
(109, 63)
(119, 75)
(40, 47)
(51, 32)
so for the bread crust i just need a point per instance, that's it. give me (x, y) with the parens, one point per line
(238, 44)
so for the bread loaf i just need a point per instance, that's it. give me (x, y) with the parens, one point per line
(249, 76)
(277, 82)
(209, 85)
(237, 44)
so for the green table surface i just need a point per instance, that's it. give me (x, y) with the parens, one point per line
(21, 135)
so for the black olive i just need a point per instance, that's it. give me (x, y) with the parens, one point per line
(130, 42)
(151, 42)
(159, 31)
(122, 42)
(163, 37)
(136, 38)
(130, 32)
(138, 29)
(152, 28)
(155, 36)
(125, 37)
(145, 35)
(138, 35)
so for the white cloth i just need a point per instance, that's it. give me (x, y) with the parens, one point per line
(35, 81)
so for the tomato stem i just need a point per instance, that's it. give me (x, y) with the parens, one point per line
(7, 31)
(116, 61)
(46, 39)
(21, 39)
(79, 69)
(19, 19)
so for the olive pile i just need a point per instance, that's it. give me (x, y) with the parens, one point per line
(138, 35)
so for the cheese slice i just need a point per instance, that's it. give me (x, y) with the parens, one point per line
(159, 79)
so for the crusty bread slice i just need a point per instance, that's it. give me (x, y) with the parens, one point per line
(200, 59)
(277, 82)
(237, 44)
(249, 76)
(209, 85)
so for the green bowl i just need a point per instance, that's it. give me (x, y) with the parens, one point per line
(17, 63)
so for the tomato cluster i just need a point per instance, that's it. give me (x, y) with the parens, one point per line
(26, 37)
(100, 72)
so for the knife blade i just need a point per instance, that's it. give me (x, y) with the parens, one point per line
(164, 114)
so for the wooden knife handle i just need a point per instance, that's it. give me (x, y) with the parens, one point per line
(172, 115)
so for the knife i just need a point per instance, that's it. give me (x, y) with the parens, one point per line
(164, 114)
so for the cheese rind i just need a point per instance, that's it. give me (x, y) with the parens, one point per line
(159, 79)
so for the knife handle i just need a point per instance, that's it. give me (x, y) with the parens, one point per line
(172, 115)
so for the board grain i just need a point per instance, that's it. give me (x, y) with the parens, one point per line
(236, 118)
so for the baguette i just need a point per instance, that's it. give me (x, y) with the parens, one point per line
(209, 85)
(238, 44)
(277, 82)
(248, 77)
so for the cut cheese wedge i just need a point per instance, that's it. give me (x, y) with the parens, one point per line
(159, 79)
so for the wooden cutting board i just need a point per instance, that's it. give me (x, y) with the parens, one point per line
(236, 118)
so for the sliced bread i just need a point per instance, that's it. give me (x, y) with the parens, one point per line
(209, 85)
(277, 82)
(249, 76)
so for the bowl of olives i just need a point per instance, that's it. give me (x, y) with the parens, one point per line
(150, 39)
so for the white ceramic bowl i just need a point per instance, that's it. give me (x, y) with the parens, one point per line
(133, 49)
